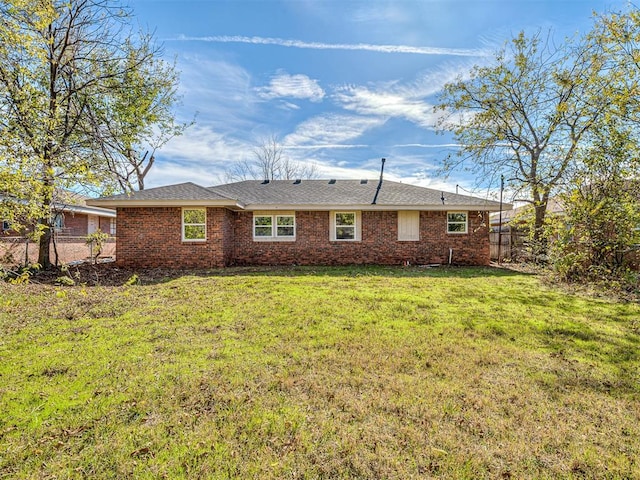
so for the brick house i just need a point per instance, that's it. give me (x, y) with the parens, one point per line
(303, 222)
(72, 217)
(73, 220)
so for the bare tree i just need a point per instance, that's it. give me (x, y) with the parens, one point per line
(270, 162)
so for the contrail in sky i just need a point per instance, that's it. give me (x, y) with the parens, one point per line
(335, 46)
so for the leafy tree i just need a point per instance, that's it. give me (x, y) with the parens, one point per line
(524, 117)
(602, 208)
(77, 87)
(270, 163)
(136, 119)
(615, 39)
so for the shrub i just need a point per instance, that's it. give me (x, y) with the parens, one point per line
(96, 241)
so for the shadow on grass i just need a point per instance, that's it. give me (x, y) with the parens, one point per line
(150, 277)
(109, 275)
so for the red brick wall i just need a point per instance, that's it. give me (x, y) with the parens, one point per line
(151, 237)
(70, 249)
(104, 224)
(379, 243)
(75, 224)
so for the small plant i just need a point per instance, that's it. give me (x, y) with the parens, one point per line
(133, 280)
(22, 275)
(96, 241)
(65, 281)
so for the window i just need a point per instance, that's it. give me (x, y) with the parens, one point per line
(408, 226)
(58, 222)
(456, 222)
(345, 226)
(285, 226)
(6, 225)
(274, 227)
(263, 226)
(112, 226)
(194, 224)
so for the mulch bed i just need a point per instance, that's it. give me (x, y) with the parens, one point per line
(103, 274)
(108, 274)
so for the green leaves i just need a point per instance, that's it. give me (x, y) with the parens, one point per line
(602, 208)
(531, 113)
(83, 96)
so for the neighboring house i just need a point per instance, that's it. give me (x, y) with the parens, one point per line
(509, 237)
(554, 207)
(304, 222)
(74, 218)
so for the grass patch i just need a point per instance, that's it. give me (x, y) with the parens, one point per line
(366, 372)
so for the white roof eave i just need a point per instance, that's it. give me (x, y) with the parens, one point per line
(370, 207)
(164, 203)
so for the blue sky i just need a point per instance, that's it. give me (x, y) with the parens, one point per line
(340, 83)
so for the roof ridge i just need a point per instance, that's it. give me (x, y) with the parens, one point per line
(212, 190)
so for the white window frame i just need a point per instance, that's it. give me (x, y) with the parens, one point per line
(356, 227)
(274, 236)
(457, 222)
(184, 224)
(112, 227)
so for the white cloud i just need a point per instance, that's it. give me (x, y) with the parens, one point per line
(331, 129)
(283, 85)
(410, 49)
(203, 144)
(428, 145)
(410, 101)
(289, 106)
(323, 146)
(365, 101)
(222, 92)
(376, 13)
(170, 172)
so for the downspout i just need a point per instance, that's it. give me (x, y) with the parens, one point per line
(375, 198)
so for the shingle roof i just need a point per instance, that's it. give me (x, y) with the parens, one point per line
(343, 192)
(316, 194)
(180, 191)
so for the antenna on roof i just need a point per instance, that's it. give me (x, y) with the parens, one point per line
(375, 198)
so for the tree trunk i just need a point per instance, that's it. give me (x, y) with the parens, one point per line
(44, 223)
(44, 249)
(539, 243)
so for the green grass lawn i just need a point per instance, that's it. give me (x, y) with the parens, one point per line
(319, 373)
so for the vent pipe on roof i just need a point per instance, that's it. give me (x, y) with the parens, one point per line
(375, 198)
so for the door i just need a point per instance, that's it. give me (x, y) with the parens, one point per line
(92, 225)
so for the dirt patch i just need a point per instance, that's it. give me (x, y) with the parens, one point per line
(108, 274)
